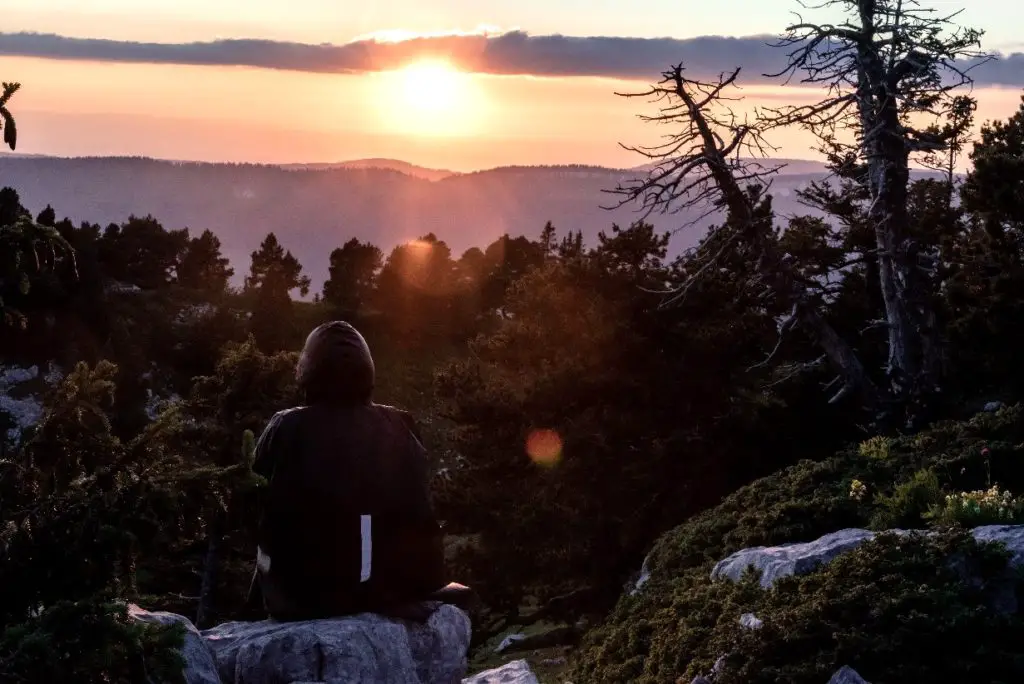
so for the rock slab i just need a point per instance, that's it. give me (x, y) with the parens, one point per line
(847, 675)
(359, 649)
(784, 560)
(776, 562)
(515, 672)
(200, 665)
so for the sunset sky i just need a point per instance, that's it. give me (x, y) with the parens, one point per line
(323, 80)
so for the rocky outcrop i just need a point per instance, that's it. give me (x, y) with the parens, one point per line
(359, 649)
(775, 562)
(784, 560)
(200, 664)
(847, 675)
(515, 672)
(21, 404)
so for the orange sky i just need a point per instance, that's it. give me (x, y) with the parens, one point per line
(217, 113)
(247, 114)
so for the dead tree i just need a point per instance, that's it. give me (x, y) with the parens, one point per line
(889, 64)
(708, 161)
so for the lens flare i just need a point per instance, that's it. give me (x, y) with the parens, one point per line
(544, 447)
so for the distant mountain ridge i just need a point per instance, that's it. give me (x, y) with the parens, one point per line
(377, 163)
(314, 208)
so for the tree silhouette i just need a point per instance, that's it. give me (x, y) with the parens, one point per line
(142, 252)
(416, 287)
(202, 266)
(47, 217)
(10, 130)
(273, 274)
(890, 63)
(506, 260)
(353, 274)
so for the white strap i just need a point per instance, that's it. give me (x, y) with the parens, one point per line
(366, 538)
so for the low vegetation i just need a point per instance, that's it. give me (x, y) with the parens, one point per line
(876, 609)
(789, 377)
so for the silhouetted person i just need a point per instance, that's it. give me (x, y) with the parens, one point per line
(347, 524)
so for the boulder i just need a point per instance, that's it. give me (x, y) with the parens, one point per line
(751, 621)
(775, 562)
(1010, 535)
(200, 665)
(801, 558)
(515, 672)
(508, 641)
(645, 574)
(359, 649)
(846, 675)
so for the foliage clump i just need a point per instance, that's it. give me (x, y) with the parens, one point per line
(909, 503)
(91, 642)
(983, 507)
(680, 623)
(895, 609)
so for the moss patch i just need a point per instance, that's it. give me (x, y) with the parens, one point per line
(549, 664)
(889, 596)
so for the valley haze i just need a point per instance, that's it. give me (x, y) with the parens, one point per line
(314, 208)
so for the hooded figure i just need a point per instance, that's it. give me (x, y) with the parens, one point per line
(347, 524)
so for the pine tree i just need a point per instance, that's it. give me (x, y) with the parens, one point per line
(273, 274)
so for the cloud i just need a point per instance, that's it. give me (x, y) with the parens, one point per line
(486, 51)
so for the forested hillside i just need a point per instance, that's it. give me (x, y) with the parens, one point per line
(312, 209)
(581, 393)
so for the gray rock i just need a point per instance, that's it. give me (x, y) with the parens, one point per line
(645, 574)
(751, 621)
(700, 679)
(200, 665)
(356, 649)
(1010, 535)
(775, 562)
(716, 669)
(508, 641)
(801, 558)
(847, 675)
(515, 672)
(992, 406)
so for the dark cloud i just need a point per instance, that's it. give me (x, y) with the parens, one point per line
(514, 52)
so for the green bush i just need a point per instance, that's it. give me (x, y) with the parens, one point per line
(877, 447)
(895, 609)
(668, 630)
(909, 504)
(90, 642)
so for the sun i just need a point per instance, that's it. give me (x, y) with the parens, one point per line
(430, 97)
(431, 86)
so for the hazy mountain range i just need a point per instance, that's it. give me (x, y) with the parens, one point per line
(314, 208)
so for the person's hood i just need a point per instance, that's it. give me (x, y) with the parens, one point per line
(336, 366)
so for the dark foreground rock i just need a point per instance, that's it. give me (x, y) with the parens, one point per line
(360, 649)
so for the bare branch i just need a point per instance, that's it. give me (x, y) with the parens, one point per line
(702, 164)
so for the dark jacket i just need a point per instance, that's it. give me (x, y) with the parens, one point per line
(347, 521)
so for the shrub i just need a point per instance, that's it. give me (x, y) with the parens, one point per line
(910, 504)
(669, 628)
(894, 609)
(877, 447)
(90, 642)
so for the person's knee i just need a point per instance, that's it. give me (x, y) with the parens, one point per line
(458, 595)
